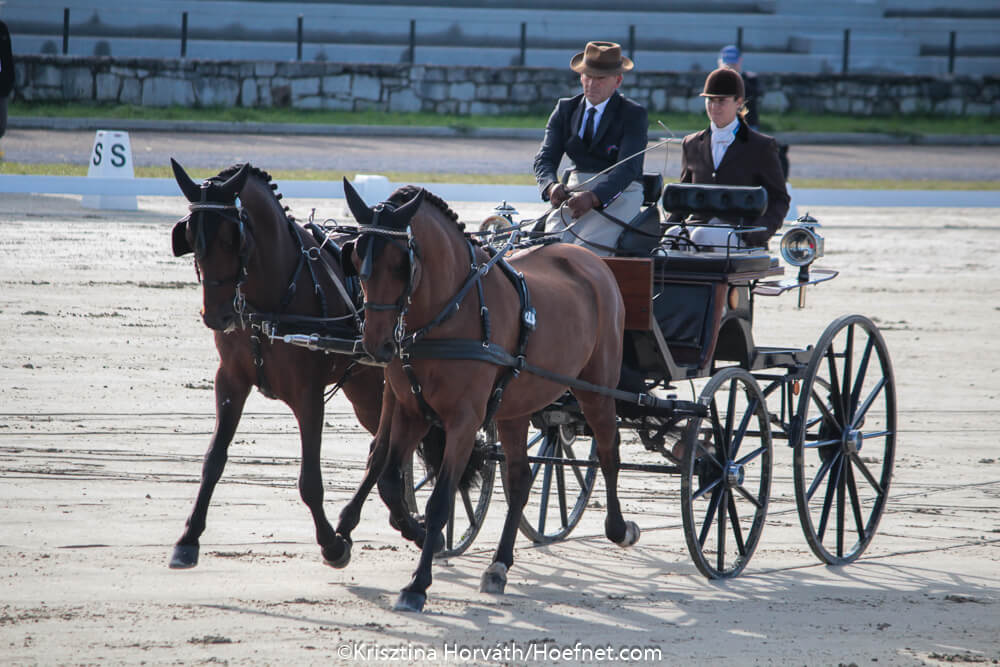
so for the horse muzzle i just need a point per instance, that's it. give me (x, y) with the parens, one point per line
(383, 352)
(220, 321)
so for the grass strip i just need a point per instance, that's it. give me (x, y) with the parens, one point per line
(917, 124)
(59, 169)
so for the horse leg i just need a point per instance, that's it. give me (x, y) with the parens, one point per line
(513, 436)
(338, 552)
(600, 414)
(390, 487)
(364, 390)
(308, 410)
(230, 397)
(459, 441)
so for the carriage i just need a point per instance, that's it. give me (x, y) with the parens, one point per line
(689, 317)
(688, 320)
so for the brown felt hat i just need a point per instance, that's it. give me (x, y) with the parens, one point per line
(723, 82)
(600, 59)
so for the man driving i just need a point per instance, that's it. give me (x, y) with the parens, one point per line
(595, 129)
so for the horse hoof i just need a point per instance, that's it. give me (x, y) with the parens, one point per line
(632, 533)
(410, 601)
(494, 579)
(338, 553)
(185, 556)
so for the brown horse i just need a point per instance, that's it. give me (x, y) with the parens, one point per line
(256, 259)
(413, 259)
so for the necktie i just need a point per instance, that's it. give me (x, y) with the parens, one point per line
(588, 130)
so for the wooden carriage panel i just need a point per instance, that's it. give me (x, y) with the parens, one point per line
(635, 280)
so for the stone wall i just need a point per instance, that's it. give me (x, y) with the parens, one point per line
(458, 89)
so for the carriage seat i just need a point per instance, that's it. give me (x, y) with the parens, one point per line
(715, 201)
(711, 201)
(735, 261)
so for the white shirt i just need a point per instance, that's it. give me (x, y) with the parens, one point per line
(722, 138)
(597, 116)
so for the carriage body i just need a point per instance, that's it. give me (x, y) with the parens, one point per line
(689, 319)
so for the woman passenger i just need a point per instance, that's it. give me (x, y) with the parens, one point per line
(730, 153)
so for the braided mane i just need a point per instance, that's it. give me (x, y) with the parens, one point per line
(228, 172)
(408, 192)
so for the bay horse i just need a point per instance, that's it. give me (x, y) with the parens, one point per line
(255, 258)
(421, 274)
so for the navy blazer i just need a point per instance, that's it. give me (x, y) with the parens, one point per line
(752, 159)
(621, 132)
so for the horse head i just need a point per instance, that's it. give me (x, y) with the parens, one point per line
(215, 232)
(385, 258)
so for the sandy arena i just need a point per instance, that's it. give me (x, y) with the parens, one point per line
(106, 409)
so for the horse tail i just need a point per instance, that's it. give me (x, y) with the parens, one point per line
(431, 451)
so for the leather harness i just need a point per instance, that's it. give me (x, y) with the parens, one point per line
(414, 346)
(249, 316)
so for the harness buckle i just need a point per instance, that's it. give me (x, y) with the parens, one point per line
(520, 363)
(239, 303)
(529, 318)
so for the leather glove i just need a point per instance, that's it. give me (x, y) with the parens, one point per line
(557, 194)
(581, 202)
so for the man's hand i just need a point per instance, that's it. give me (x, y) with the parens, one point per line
(558, 194)
(581, 202)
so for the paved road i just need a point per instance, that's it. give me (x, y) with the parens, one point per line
(483, 156)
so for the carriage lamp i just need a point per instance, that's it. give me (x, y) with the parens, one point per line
(500, 220)
(506, 210)
(802, 245)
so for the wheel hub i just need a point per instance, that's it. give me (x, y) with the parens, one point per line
(734, 474)
(853, 441)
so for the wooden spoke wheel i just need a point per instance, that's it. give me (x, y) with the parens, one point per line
(559, 493)
(726, 474)
(469, 509)
(844, 439)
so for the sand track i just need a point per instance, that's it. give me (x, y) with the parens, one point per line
(105, 412)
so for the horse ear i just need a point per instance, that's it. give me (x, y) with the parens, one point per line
(232, 187)
(190, 189)
(346, 265)
(179, 239)
(359, 209)
(402, 215)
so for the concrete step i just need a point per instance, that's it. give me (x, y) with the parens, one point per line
(861, 44)
(941, 8)
(841, 9)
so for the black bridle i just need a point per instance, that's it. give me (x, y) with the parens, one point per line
(412, 251)
(203, 239)
(240, 217)
(475, 276)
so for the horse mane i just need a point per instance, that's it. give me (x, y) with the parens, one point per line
(408, 192)
(226, 173)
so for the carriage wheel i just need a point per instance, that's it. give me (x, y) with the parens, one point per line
(726, 474)
(844, 439)
(469, 509)
(559, 493)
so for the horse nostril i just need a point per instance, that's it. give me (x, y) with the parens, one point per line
(386, 351)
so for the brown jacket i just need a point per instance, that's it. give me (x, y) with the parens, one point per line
(752, 159)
